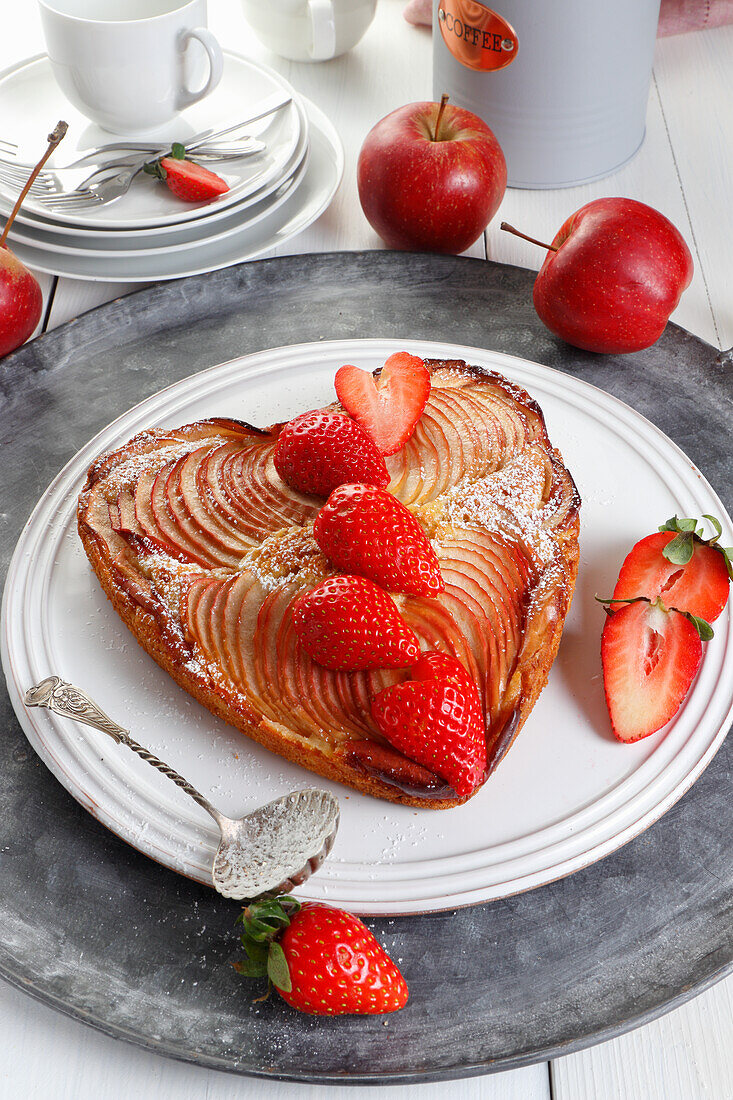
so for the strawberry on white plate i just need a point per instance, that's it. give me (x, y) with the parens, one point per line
(389, 407)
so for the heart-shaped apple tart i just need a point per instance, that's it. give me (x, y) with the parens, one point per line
(206, 553)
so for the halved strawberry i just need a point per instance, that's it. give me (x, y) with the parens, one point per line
(650, 656)
(318, 451)
(349, 623)
(389, 408)
(192, 182)
(186, 179)
(437, 720)
(366, 530)
(700, 585)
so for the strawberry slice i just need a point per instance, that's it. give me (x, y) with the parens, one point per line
(650, 656)
(191, 182)
(349, 623)
(366, 530)
(436, 719)
(318, 451)
(389, 408)
(699, 586)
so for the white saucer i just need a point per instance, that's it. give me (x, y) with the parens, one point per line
(40, 231)
(241, 241)
(29, 97)
(108, 242)
(567, 793)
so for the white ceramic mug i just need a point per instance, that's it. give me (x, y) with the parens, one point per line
(309, 30)
(131, 65)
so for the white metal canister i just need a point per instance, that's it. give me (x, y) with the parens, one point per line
(562, 83)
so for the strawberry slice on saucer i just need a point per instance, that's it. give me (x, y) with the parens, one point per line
(650, 656)
(389, 407)
(366, 530)
(676, 563)
(349, 623)
(318, 451)
(187, 180)
(437, 720)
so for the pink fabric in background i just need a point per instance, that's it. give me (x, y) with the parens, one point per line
(675, 16)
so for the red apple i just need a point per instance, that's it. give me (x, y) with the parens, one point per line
(21, 302)
(431, 177)
(618, 271)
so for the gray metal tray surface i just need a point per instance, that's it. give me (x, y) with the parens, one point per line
(96, 930)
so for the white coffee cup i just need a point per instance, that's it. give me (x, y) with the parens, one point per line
(131, 65)
(309, 30)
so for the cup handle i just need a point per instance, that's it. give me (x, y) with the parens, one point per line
(323, 29)
(216, 66)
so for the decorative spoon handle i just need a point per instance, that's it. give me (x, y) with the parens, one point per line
(70, 701)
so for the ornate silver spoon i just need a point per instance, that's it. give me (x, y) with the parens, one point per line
(270, 851)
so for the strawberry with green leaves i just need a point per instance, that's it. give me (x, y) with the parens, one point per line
(187, 180)
(671, 585)
(321, 960)
(688, 571)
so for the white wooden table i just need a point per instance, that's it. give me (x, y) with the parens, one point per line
(683, 169)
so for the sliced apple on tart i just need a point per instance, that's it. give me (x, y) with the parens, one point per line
(379, 600)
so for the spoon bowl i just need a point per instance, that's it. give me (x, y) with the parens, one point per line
(269, 851)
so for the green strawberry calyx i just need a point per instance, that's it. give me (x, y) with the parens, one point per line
(680, 549)
(156, 169)
(262, 922)
(702, 626)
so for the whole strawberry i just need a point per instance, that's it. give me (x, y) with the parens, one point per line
(366, 530)
(437, 720)
(318, 451)
(349, 623)
(321, 960)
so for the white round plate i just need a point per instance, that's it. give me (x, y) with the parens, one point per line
(242, 241)
(567, 792)
(29, 97)
(189, 239)
(55, 237)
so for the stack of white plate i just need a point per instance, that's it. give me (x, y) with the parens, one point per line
(149, 234)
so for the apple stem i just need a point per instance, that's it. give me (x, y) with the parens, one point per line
(441, 108)
(53, 140)
(532, 240)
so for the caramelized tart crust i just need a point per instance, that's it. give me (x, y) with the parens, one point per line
(202, 549)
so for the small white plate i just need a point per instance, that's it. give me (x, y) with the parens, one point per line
(108, 243)
(567, 793)
(29, 97)
(56, 237)
(242, 241)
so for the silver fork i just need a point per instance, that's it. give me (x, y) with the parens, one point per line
(268, 106)
(271, 850)
(75, 188)
(69, 193)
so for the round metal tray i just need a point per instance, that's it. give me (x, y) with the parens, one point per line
(97, 931)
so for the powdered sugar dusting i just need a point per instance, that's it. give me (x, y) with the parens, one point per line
(510, 502)
(285, 555)
(127, 474)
